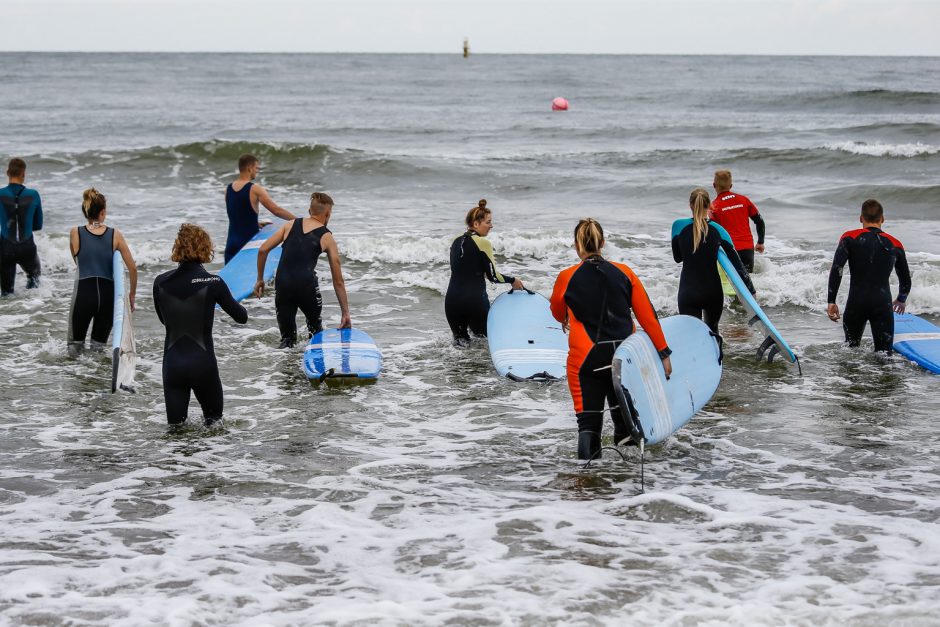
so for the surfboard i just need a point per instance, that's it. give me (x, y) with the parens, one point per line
(123, 346)
(526, 342)
(726, 285)
(342, 354)
(657, 407)
(918, 340)
(241, 272)
(758, 319)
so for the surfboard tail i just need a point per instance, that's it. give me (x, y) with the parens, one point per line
(626, 407)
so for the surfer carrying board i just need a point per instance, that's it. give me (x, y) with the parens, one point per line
(593, 301)
(242, 197)
(295, 284)
(20, 215)
(695, 245)
(872, 255)
(466, 304)
(92, 247)
(732, 210)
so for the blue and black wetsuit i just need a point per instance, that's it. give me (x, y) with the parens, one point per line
(93, 297)
(466, 303)
(20, 215)
(185, 301)
(296, 285)
(700, 292)
(872, 255)
(242, 219)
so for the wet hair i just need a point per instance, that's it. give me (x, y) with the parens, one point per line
(321, 201)
(16, 168)
(722, 180)
(872, 211)
(699, 201)
(192, 244)
(246, 161)
(477, 213)
(93, 203)
(589, 236)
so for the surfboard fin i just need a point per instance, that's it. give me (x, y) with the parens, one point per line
(767, 343)
(754, 320)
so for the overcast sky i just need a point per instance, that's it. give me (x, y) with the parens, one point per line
(875, 27)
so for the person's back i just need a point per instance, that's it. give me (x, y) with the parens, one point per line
(733, 211)
(242, 218)
(872, 256)
(20, 216)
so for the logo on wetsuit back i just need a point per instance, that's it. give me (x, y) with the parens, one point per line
(208, 279)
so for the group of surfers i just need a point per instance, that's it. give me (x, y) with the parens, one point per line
(595, 300)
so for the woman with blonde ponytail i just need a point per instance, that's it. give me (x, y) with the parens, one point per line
(595, 301)
(695, 244)
(472, 260)
(93, 247)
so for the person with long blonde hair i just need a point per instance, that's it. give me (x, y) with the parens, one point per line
(595, 301)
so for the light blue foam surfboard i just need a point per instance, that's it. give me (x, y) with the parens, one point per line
(342, 354)
(241, 272)
(918, 340)
(526, 342)
(657, 407)
(123, 346)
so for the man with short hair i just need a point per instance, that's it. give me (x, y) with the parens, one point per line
(20, 215)
(872, 254)
(732, 210)
(241, 202)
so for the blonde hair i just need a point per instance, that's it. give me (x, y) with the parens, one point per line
(699, 202)
(93, 203)
(589, 236)
(722, 180)
(192, 244)
(477, 213)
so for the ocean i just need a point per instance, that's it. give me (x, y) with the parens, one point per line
(442, 494)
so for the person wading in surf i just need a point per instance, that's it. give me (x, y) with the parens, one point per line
(242, 197)
(20, 215)
(731, 210)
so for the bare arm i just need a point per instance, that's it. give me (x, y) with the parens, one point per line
(74, 243)
(339, 285)
(269, 244)
(121, 245)
(269, 204)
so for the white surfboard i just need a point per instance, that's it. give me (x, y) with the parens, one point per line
(526, 342)
(123, 346)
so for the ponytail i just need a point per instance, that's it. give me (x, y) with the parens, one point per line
(93, 203)
(589, 236)
(477, 213)
(699, 202)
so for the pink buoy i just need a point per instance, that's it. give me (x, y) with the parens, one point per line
(559, 104)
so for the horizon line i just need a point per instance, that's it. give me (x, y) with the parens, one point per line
(459, 53)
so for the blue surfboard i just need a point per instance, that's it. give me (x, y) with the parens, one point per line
(342, 354)
(918, 340)
(656, 407)
(526, 342)
(241, 272)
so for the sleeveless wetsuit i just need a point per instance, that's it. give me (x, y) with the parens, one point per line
(466, 303)
(700, 292)
(872, 254)
(242, 219)
(185, 301)
(93, 300)
(296, 285)
(732, 210)
(596, 297)
(20, 215)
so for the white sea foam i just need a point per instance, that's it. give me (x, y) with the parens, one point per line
(879, 149)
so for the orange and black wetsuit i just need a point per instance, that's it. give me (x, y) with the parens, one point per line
(596, 297)
(466, 304)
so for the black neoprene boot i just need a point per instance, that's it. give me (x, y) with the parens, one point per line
(589, 445)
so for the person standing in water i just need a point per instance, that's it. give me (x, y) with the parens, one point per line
(20, 216)
(242, 197)
(295, 284)
(872, 255)
(92, 247)
(695, 245)
(593, 300)
(731, 210)
(185, 300)
(466, 304)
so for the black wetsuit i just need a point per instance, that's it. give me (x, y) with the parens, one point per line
(872, 255)
(20, 215)
(185, 301)
(700, 292)
(296, 285)
(466, 304)
(93, 300)
(242, 219)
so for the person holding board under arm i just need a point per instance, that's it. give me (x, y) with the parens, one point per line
(466, 304)
(731, 210)
(92, 248)
(242, 197)
(593, 300)
(295, 284)
(872, 255)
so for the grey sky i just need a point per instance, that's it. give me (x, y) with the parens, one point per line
(875, 27)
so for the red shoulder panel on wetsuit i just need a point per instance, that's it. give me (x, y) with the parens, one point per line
(893, 240)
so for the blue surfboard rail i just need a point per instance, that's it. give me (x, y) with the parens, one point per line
(918, 340)
(342, 354)
(241, 272)
(526, 343)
